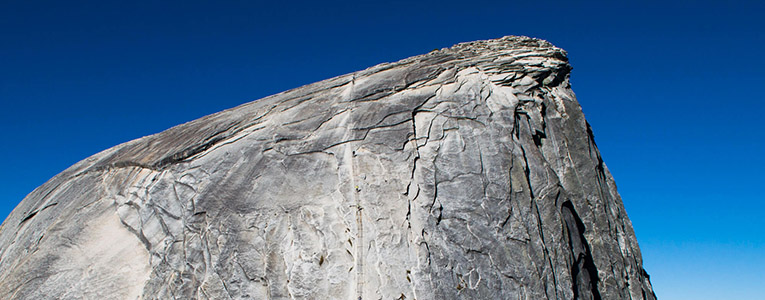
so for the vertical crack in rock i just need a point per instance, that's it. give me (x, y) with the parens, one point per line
(583, 270)
(298, 195)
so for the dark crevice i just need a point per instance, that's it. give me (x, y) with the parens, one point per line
(527, 172)
(538, 136)
(584, 273)
(440, 214)
(591, 137)
(517, 121)
(29, 216)
(540, 77)
(645, 274)
(560, 75)
(34, 213)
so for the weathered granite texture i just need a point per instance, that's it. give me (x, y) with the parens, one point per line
(464, 173)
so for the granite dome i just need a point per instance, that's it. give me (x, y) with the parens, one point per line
(468, 172)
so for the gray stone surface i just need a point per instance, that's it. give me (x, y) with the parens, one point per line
(465, 173)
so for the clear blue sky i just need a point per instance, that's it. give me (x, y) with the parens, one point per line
(673, 90)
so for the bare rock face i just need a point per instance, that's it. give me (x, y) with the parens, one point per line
(464, 173)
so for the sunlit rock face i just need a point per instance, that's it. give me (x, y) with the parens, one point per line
(465, 173)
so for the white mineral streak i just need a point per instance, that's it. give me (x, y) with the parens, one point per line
(469, 172)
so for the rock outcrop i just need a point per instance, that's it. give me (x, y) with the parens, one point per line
(468, 172)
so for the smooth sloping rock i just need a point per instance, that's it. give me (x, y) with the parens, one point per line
(469, 172)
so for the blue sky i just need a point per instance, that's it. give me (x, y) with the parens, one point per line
(673, 90)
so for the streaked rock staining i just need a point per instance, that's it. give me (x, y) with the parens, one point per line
(465, 173)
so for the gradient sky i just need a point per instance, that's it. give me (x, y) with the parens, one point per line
(673, 90)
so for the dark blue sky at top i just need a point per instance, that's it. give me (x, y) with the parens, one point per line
(673, 91)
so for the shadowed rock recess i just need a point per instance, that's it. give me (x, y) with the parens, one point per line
(465, 173)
